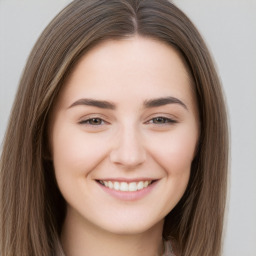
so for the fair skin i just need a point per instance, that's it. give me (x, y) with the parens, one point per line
(123, 135)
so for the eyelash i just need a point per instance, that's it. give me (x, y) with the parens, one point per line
(163, 120)
(87, 121)
(100, 121)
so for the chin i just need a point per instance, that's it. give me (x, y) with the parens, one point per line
(132, 226)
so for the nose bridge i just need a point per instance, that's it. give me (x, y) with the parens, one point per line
(129, 150)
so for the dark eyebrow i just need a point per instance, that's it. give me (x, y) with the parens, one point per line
(163, 101)
(94, 103)
(108, 105)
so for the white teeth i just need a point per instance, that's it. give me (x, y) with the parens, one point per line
(110, 184)
(124, 186)
(116, 185)
(132, 186)
(140, 185)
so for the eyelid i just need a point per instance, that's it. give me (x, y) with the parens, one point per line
(87, 118)
(171, 119)
(86, 122)
(167, 121)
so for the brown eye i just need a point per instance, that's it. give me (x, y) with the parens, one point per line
(161, 120)
(93, 121)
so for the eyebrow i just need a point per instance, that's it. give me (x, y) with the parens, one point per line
(147, 103)
(95, 103)
(163, 101)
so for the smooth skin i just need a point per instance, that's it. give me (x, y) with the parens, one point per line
(127, 112)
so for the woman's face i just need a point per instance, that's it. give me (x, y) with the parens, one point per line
(123, 135)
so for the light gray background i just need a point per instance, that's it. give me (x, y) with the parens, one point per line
(229, 28)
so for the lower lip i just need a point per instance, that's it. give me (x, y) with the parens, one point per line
(129, 195)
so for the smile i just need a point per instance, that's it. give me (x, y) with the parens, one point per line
(126, 186)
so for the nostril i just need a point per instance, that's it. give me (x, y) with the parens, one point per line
(130, 159)
(129, 149)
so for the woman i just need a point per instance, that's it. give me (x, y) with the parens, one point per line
(117, 142)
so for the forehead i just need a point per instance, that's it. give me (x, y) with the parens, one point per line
(140, 65)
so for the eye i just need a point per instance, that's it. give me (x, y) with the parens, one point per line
(161, 120)
(93, 121)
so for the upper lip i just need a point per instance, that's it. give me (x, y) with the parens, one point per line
(127, 180)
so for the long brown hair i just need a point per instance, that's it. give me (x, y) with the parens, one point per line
(32, 209)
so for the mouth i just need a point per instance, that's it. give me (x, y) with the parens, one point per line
(126, 186)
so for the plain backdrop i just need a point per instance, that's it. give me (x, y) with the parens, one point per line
(229, 28)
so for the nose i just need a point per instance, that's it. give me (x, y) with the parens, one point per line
(128, 151)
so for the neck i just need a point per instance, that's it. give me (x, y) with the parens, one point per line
(87, 239)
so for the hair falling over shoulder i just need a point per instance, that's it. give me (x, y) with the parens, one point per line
(32, 209)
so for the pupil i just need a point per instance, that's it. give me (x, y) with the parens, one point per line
(159, 120)
(95, 121)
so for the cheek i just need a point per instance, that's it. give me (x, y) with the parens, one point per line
(75, 153)
(175, 153)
